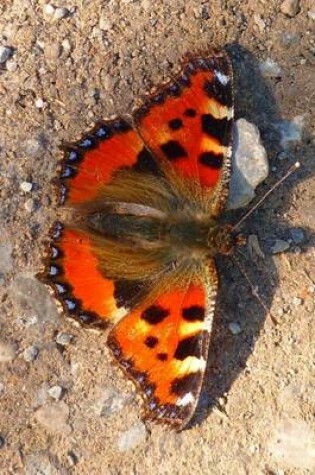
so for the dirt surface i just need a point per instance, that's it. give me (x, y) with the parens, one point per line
(65, 409)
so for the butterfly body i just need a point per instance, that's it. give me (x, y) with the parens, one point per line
(136, 248)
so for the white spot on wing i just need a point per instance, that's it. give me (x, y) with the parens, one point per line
(185, 400)
(222, 78)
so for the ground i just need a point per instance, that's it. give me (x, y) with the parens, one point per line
(65, 409)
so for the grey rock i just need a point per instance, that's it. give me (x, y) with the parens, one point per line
(55, 392)
(5, 53)
(29, 205)
(34, 299)
(30, 354)
(2, 441)
(7, 352)
(290, 131)
(250, 164)
(235, 328)
(297, 234)
(132, 437)
(41, 463)
(279, 246)
(110, 402)
(6, 264)
(54, 417)
(64, 339)
(290, 7)
(270, 68)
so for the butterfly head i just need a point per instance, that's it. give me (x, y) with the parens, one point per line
(222, 240)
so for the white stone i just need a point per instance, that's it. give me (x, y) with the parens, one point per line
(7, 352)
(270, 68)
(60, 13)
(26, 186)
(48, 10)
(132, 437)
(55, 392)
(311, 14)
(249, 164)
(30, 354)
(29, 205)
(39, 103)
(235, 328)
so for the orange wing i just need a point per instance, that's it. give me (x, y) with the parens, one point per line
(80, 285)
(163, 347)
(188, 122)
(90, 164)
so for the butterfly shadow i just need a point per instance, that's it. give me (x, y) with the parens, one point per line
(240, 318)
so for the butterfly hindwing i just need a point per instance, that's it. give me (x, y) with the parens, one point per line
(163, 347)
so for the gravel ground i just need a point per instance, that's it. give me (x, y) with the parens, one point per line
(65, 409)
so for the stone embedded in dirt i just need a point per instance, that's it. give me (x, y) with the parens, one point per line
(26, 186)
(2, 441)
(279, 246)
(290, 7)
(6, 264)
(30, 354)
(7, 352)
(293, 445)
(54, 417)
(64, 339)
(235, 328)
(29, 205)
(34, 299)
(297, 234)
(311, 14)
(55, 392)
(42, 463)
(110, 401)
(5, 53)
(297, 301)
(290, 131)
(132, 437)
(60, 13)
(250, 164)
(270, 69)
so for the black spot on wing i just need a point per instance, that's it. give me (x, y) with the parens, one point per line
(155, 314)
(216, 128)
(190, 346)
(162, 356)
(188, 383)
(211, 160)
(190, 112)
(221, 92)
(194, 313)
(173, 150)
(146, 163)
(175, 124)
(151, 341)
(126, 291)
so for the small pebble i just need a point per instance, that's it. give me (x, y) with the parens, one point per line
(72, 458)
(55, 392)
(290, 7)
(311, 14)
(259, 21)
(29, 205)
(48, 11)
(7, 352)
(270, 68)
(297, 301)
(60, 13)
(2, 388)
(64, 339)
(5, 53)
(2, 441)
(297, 235)
(11, 65)
(30, 354)
(234, 328)
(280, 246)
(66, 44)
(39, 103)
(26, 186)
(132, 437)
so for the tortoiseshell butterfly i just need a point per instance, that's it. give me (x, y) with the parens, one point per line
(137, 244)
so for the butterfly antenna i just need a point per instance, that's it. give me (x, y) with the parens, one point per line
(274, 187)
(254, 289)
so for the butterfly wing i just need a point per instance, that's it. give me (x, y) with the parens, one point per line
(187, 123)
(163, 347)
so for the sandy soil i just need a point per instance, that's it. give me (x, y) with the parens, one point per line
(65, 409)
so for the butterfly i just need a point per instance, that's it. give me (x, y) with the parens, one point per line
(141, 200)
